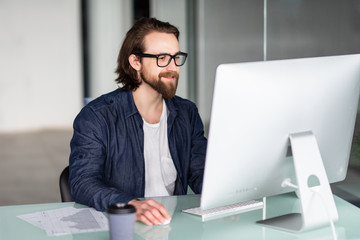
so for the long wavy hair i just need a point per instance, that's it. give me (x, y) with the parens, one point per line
(134, 44)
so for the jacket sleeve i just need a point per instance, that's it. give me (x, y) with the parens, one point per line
(87, 159)
(198, 152)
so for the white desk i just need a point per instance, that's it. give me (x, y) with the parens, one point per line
(186, 227)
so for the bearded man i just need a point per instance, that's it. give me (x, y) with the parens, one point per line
(139, 140)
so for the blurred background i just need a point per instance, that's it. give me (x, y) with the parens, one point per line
(57, 54)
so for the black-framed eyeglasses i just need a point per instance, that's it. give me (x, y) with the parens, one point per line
(163, 60)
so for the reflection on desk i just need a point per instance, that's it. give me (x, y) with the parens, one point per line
(186, 226)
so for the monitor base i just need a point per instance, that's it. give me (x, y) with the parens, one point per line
(313, 189)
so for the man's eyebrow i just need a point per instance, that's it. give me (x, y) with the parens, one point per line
(169, 53)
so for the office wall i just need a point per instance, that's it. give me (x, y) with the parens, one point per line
(40, 61)
(41, 52)
(232, 31)
(313, 28)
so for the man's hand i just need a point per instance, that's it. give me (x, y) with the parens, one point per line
(150, 212)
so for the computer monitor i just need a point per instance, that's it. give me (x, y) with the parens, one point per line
(263, 114)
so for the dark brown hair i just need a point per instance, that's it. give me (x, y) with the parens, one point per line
(134, 44)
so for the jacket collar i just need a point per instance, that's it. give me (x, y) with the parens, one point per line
(172, 110)
(131, 109)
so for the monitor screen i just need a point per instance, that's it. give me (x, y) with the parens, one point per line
(257, 105)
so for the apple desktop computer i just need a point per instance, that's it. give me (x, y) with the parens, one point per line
(281, 126)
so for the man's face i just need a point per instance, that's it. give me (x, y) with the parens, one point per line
(162, 79)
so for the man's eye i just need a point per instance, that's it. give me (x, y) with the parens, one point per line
(162, 57)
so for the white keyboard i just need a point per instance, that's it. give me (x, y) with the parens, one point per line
(224, 211)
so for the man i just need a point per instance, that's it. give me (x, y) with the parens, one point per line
(139, 140)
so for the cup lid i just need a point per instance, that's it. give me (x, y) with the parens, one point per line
(121, 208)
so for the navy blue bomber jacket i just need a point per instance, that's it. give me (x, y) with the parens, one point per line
(107, 161)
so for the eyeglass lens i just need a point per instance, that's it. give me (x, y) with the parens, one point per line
(164, 59)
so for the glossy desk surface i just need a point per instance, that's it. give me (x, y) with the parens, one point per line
(185, 226)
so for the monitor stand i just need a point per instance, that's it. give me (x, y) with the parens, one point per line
(316, 199)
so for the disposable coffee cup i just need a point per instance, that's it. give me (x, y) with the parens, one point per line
(121, 221)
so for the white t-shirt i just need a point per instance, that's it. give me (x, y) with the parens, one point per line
(160, 172)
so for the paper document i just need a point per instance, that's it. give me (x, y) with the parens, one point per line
(68, 220)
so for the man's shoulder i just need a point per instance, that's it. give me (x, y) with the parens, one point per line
(109, 107)
(107, 100)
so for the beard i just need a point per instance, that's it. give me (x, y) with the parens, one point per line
(166, 89)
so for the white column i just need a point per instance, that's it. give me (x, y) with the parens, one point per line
(108, 20)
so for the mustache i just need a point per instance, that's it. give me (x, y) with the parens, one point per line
(170, 74)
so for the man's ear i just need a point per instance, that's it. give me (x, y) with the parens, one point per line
(135, 62)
